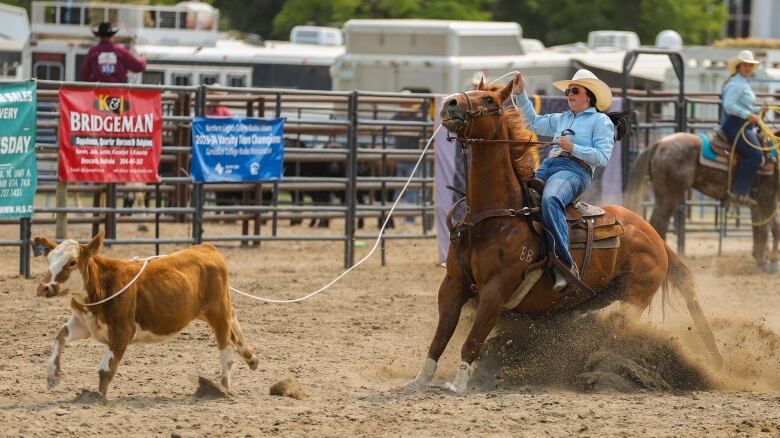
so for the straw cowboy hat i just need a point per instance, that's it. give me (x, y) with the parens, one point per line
(744, 57)
(596, 86)
(105, 29)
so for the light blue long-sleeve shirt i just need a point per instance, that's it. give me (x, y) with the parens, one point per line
(594, 132)
(738, 98)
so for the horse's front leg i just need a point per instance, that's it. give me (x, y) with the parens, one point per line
(490, 303)
(453, 294)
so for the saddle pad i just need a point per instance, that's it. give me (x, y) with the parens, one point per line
(706, 147)
(709, 157)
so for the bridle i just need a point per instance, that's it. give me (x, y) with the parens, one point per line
(472, 114)
(466, 140)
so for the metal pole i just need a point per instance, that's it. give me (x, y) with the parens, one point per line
(111, 216)
(197, 187)
(24, 249)
(157, 205)
(383, 190)
(350, 196)
(679, 69)
(197, 214)
(275, 193)
(61, 227)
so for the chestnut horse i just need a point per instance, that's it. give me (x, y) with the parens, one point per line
(500, 248)
(674, 169)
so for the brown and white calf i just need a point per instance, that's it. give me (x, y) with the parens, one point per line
(171, 292)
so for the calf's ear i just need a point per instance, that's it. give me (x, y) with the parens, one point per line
(41, 246)
(94, 246)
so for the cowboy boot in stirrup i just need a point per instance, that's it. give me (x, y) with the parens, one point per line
(560, 280)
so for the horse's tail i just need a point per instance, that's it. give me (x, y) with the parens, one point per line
(635, 185)
(679, 277)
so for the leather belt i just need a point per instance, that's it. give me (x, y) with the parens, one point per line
(580, 162)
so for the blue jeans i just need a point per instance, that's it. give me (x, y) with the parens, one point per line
(749, 157)
(565, 180)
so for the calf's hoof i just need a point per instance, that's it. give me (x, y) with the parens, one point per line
(253, 362)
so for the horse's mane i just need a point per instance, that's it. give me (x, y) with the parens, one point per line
(525, 158)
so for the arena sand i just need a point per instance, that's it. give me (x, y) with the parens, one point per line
(352, 347)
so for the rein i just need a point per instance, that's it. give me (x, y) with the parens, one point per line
(464, 140)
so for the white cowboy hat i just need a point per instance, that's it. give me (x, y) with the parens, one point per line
(596, 86)
(745, 56)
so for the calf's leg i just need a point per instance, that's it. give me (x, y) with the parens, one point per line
(221, 324)
(243, 348)
(117, 344)
(73, 330)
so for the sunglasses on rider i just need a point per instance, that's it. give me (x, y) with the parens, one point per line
(574, 91)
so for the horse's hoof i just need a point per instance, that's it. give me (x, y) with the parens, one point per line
(52, 381)
(414, 386)
(773, 267)
(452, 387)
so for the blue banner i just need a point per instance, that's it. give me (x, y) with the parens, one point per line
(235, 149)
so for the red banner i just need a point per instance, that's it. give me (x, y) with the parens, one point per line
(110, 135)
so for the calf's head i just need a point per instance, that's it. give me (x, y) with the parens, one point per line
(67, 264)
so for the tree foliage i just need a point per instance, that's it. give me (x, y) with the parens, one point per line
(565, 21)
(336, 12)
(552, 21)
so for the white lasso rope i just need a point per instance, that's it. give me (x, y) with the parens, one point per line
(146, 262)
(370, 253)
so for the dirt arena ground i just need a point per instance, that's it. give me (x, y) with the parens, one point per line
(352, 347)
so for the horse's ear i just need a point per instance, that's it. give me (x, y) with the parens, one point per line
(481, 86)
(506, 92)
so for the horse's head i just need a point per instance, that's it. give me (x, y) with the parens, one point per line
(475, 114)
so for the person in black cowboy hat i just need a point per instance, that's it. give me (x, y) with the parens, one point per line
(108, 61)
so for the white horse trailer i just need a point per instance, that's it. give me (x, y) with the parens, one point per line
(16, 31)
(438, 56)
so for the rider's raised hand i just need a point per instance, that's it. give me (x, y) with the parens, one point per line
(519, 83)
